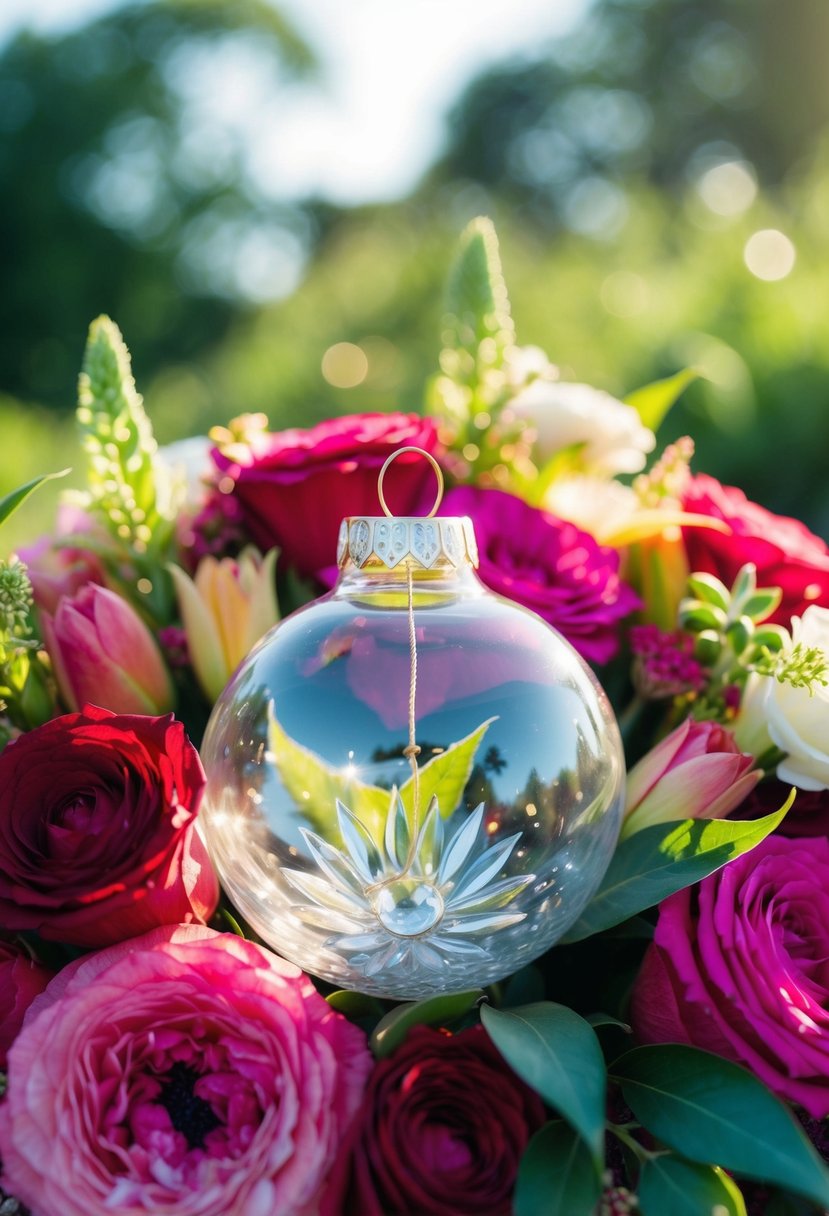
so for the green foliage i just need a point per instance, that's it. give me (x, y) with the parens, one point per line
(652, 864)
(12, 501)
(684, 1188)
(716, 1113)
(392, 1029)
(557, 1053)
(653, 401)
(556, 1175)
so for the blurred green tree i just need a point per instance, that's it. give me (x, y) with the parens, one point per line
(130, 185)
(654, 89)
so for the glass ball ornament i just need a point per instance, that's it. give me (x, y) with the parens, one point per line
(414, 786)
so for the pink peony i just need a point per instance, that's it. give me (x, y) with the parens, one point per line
(785, 552)
(738, 967)
(21, 980)
(296, 486)
(550, 566)
(98, 829)
(185, 1072)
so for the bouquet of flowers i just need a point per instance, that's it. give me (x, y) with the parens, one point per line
(669, 1056)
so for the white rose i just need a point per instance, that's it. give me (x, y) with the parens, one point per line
(798, 722)
(183, 466)
(592, 503)
(615, 441)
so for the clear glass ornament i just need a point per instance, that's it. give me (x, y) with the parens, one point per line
(414, 786)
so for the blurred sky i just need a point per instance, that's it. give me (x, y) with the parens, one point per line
(390, 69)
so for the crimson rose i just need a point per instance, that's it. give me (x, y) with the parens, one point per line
(738, 967)
(296, 486)
(441, 1131)
(785, 552)
(97, 829)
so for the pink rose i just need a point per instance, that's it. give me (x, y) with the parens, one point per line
(738, 967)
(548, 565)
(785, 552)
(103, 653)
(695, 772)
(21, 980)
(97, 829)
(441, 1131)
(186, 1072)
(296, 486)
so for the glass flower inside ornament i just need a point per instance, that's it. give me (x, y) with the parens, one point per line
(414, 786)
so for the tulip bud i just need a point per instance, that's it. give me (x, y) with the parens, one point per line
(226, 608)
(695, 772)
(103, 654)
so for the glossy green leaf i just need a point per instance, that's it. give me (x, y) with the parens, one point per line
(557, 1053)
(354, 1005)
(556, 1177)
(15, 498)
(606, 1019)
(432, 1011)
(652, 864)
(315, 786)
(717, 1113)
(653, 401)
(445, 776)
(686, 1188)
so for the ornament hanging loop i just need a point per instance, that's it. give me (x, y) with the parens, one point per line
(435, 466)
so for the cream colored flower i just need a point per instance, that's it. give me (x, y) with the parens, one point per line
(796, 718)
(226, 608)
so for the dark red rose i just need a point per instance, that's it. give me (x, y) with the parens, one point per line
(21, 980)
(441, 1131)
(738, 967)
(97, 829)
(785, 552)
(809, 815)
(296, 486)
(548, 565)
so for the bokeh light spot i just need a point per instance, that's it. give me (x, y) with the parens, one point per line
(769, 254)
(344, 365)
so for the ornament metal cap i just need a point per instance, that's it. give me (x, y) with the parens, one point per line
(388, 541)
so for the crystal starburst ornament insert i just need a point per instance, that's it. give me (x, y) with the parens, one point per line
(414, 786)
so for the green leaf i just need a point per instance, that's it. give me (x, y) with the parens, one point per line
(763, 603)
(557, 1053)
(354, 1005)
(718, 1113)
(709, 588)
(315, 785)
(606, 1019)
(433, 1011)
(15, 498)
(555, 1175)
(685, 1188)
(445, 776)
(653, 401)
(652, 864)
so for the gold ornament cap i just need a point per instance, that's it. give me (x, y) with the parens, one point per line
(388, 541)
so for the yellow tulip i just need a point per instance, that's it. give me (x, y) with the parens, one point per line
(225, 609)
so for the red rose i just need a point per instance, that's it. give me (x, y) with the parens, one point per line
(441, 1131)
(785, 552)
(21, 980)
(295, 486)
(97, 829)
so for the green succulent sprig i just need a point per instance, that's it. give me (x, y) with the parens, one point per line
(733, 638)
(25, 698)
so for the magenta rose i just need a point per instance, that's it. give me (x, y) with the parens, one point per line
(738, 967)
(97, 829)
(185, 1071)
(21, 980)
(550, 566)
(296, 486)
(785, 552)
(441, 1131)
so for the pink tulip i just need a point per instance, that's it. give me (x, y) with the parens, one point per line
(696, 772)
(104, 654)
